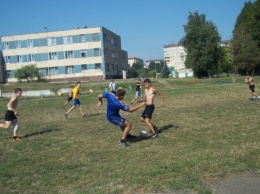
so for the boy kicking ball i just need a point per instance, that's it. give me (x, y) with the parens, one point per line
(113, 107)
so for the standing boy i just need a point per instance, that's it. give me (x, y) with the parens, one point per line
(70, 97)
(138, 92)
(112, 87)
(250, 81)
(11, 113)
(76, 101)
(148, 111)
(113, 107)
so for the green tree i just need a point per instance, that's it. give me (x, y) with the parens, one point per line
(226, 60)
(152, 66)
(28, 72)
(165, 71)
(202, 44)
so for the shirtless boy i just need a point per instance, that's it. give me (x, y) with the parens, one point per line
(149, 95)
(11, 113)
(250, 81)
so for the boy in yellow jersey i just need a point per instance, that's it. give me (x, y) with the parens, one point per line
(76, 101)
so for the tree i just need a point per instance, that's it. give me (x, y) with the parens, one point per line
(202, 44)
(28, 72)
(165, 71)
(226, 60)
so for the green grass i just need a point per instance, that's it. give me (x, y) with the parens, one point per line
(209, 130)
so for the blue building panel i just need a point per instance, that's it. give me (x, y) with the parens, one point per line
(44, 56)
(59, 40)
(25, 58)
(43, 42)
(89, 37)
(24, 44)
(61, 70)
(13, 73)
(75, 39)
(77, 68)
(12, 45)
(90, 52)
(13, 59)
(60, 55)
(91, 66)
(77, 54)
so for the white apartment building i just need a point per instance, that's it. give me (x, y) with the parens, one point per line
(81, 54)
(136, 60)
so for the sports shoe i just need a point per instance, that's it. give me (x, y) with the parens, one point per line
(17, 138)
(155, 135)
(130, 136)
(123, 143)
(66, 116)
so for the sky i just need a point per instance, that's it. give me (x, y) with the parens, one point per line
(144, 26)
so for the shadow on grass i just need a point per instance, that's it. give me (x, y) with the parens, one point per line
(140, 138)
(39, 132)
(91, 115)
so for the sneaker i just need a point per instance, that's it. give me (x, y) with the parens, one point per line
(83, 115)
(66, 116)
(155, 135)
(123, 143)
(17, 138)
(130, 136)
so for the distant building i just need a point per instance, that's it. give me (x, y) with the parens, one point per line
(152, 60)
(225, 43)
(1, 68)
(175, 56)
(80, 54)
(133, 60)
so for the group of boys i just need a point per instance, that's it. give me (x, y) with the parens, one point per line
(114, 105)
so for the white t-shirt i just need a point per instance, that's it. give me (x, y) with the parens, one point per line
(112, 86)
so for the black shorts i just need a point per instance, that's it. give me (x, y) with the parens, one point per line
(252, 88)
(69, 99)
(148, 111)
(9, 115)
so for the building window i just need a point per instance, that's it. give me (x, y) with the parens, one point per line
(19, 58)
(43, 71)
(69, 69)
(84, 67)
(112, 41)
(18, 44)
(107, 67)
(7, 59)
(30, 43)
(8, 74)
(6, 45)
(53, 56)
(105, 38)
(96, 37)
(113, 55)
(96, 52)
(82, 38)
(97, 66)
(113, 67)
(83, 53)
(67, 40)
(52, 42)
(68, 54)
(52, 70)
(31, 57)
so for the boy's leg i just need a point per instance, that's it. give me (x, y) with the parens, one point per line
(81, 110)
(6, 125)
(15, 123)
(126, 129)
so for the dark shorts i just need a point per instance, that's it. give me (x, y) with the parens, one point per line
(76, 101)
(252, 88)
(114, 92)
(69, 99)
(148, 111)
(9, 115)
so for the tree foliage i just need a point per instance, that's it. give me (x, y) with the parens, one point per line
(201, 41)
(28, 72)
(165, 71)
(246, 39)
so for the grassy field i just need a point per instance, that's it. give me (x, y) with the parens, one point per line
(209, 129)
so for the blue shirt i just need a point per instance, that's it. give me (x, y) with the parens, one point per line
(113, 105)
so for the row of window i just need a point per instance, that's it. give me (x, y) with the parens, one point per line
(53, 56)
(82, 38)
(54, 70)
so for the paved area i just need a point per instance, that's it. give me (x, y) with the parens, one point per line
(243, 184)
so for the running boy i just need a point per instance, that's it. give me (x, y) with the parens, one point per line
(250, 81)
(11, 113)
(113, 107)
(70, 97)
(148, 111)
(76, 101)
(138, 92)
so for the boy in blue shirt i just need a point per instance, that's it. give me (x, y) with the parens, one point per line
(113, 107)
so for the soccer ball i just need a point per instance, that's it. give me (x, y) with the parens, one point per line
(142, 133)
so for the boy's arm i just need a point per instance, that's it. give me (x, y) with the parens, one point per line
(99, 100)
(132, 109)
(162, 97)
